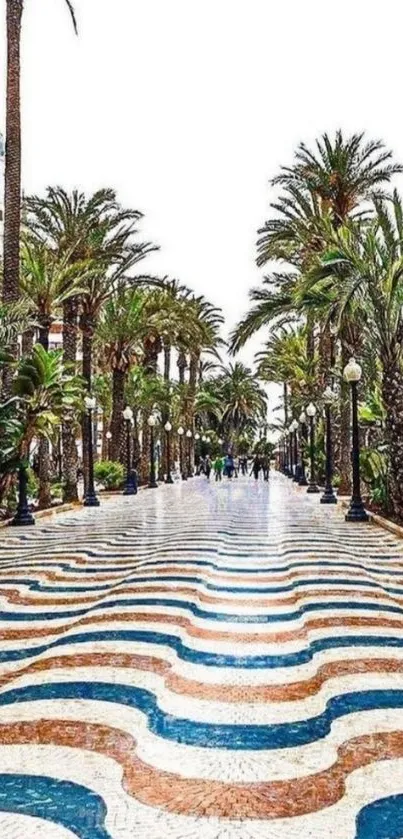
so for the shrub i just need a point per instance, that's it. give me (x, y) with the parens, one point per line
(109, 473)
(33, 485)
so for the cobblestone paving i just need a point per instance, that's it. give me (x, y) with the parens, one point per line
(212, 661)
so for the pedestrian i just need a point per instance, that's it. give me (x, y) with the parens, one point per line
(244, 465)
(207, 466)
(256, 467)
(218, 467)
(266, 467)
(229, 466)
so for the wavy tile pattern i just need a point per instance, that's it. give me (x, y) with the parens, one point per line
(216, 662)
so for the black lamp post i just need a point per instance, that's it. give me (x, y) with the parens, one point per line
(294, 444)
(182, 465)
(328, 496)
(311, 411)
(168, 429)
(290, 454)
(304, 440)
(152, 483)
(90, 499)
(23, 516)
(356, 512)
(197, 453)
(109, 438)
(285, 451)
(189, 436)
(131, 484)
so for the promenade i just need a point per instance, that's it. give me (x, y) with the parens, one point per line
(207, 661)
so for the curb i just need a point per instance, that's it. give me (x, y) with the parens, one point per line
(50, 511)
(65, 508)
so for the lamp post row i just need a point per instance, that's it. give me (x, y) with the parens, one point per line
(293, 456)
(24, 517)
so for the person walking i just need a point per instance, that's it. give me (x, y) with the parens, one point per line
(229, 466)
(256, 467)
(266, 467)
(218, 467)
(207, 466)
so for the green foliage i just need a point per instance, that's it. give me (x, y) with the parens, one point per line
(32, 485)
(109, 473)
(46, 393)
(374, 473)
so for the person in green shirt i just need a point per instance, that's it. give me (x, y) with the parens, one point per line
(218, 467)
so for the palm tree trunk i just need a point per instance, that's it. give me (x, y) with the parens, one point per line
(70, 458)
(45, 494)
(193, 368)
(27, 341)
(392, 395)
(12, 186)
(165, 412)
(344, 463)
(118, 441)
(88, 334)
(145, 451)
(285, 399)
(181, 367)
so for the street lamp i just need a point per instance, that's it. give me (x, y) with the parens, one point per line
(168, 429)
(328, 496)
(290, 454)
(109, 438)
(90, 499)
(23, 516)
(152, 483)
(311, 411)
(356, 512)
(189, 436)
(294, 441)
(131, 486)
(286, 459)
(304, 434)
(181, 432)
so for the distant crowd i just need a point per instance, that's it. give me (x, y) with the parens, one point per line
(230, 467)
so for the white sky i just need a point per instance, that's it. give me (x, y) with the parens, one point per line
(187, 108)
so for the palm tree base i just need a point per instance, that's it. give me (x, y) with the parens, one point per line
(152, 485)
(169, 480)
(303, 482)
(312, 488)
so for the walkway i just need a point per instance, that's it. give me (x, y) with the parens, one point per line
(216, 662)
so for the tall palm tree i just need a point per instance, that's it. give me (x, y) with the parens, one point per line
(12, 193)
(94, 229)
(366, 263)
(47, 281)
(120, 332)
(323, 187)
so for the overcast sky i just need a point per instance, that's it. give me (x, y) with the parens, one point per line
(187, 108)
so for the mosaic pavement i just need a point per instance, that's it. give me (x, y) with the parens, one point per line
(218, 662)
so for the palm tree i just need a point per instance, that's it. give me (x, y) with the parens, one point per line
(95, 229)
(341, 172)
(12, 193)
(243, 400)
(120, 332)
(323, 187)
(46, 282)
(366, 262)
